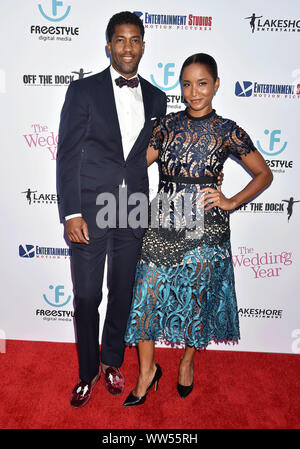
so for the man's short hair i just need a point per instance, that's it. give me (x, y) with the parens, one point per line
(123, 18)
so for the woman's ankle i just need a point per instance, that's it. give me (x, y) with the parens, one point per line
(147, 370)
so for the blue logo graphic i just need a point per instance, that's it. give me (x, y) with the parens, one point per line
(243, 89)
(273, 139)
(54, 18)
(26, 251)
(58, 297)
(167, 73)
(139, 14)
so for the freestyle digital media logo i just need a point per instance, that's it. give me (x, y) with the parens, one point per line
(272, 146)
(266, 90)
(43, 252)
(56, 298)
(189, 22)
(168, 72)
(55, 12)
(274, 139)
(166, 79)
(259, 23)
(34, 197)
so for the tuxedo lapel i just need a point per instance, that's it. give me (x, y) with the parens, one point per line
(147, 111)
(108, 99)
(146, 99)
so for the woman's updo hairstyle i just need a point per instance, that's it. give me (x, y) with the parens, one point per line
(201, 58)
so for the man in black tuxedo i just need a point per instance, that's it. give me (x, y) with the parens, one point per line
(106, 123)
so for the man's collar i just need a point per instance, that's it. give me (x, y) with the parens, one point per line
(115, 74)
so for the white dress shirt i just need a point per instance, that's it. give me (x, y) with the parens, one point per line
(131, 115)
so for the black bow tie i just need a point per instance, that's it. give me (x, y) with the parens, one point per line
(121, 81)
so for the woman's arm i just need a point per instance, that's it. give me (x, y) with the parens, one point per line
(262, 178)
(152, 155)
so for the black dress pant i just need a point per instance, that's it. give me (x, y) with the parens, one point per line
(122, 249)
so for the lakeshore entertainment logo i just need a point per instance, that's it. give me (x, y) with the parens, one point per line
(54, 11)
(41, 138)
(260, 23)
(245, 312)
(34, 197)
(254, 89)
(43, 252)
(187, 22)
(265, 265)
(272, 146)
(56, 299)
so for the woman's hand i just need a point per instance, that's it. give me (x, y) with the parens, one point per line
(220, 179)
(213, 197)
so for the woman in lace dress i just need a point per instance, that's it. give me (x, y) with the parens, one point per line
(184, 290)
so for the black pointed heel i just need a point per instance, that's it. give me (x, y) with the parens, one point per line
(184, 391)
(132, 400)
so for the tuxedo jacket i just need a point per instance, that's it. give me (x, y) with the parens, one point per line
(90, 156)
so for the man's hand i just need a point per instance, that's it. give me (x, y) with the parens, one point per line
(220, 180)
(77, 230)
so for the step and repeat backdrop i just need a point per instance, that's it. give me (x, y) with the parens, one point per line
(45, 44)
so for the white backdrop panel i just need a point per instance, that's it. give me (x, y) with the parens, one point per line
(36, 66)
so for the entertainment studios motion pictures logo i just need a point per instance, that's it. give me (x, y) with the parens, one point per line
(245, 89)
(188, 22)
(43, 252)
(260, 23)
(54, 11)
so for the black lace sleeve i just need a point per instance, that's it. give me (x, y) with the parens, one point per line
(240, 144)
(156, 138)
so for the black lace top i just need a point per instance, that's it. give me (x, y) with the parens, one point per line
(191, 147)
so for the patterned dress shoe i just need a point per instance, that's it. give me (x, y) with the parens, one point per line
(82, 393)
(114, 380)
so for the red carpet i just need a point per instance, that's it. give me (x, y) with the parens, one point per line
(233, 390)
